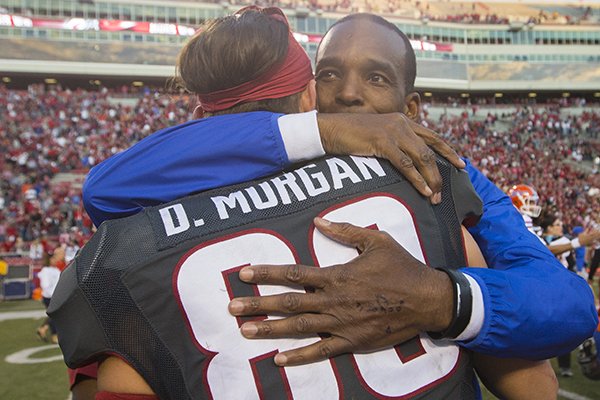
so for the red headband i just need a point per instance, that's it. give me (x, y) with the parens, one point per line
(283, 79)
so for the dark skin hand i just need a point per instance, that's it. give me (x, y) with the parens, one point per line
(407, 145)
(376, 313)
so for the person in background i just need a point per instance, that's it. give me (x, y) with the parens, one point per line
(594, 261)
(580, 254)
(526, 200)
(562, 247)
(36, 249)
(71, 249)
(49, 276)
(588, 356)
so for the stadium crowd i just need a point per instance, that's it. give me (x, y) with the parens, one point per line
(536, 146)
(47, 131)
(458, 12)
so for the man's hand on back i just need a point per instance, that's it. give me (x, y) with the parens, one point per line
(406, 144)
(381, 298)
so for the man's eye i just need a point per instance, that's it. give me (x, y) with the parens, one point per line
(326, 75)
(377, 78)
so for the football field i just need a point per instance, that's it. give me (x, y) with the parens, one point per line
(32, 369)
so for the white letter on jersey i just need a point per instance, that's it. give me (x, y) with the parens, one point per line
(310, 187)
(372, 163)
(259, 204)
(288, 180)
(172, 214)
(341, 170)
(230, 201)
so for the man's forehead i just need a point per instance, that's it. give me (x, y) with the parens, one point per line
(362, 35)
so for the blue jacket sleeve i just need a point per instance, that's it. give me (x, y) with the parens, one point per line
(534, 307)
(188, 158)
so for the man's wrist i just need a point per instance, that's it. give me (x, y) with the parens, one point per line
(462, 304)
(329, 125)
(440, 297)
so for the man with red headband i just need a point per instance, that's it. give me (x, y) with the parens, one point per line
(117, 286)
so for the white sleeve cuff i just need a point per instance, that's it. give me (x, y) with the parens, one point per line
(301, 136)
(477, 312)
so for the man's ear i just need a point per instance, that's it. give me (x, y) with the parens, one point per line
(308, 98)
(413, 105)
(198, 112)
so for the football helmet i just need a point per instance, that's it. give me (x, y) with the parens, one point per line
(526, 199)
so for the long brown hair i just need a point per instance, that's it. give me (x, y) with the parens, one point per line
(232, 50)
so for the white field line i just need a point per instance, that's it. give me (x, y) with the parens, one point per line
(36, 314)
(571, 396)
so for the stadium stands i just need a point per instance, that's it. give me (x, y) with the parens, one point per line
(45, 133)
(111, 52)
(486, 12)
(456, 42)
(477, 12)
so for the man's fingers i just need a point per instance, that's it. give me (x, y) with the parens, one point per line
(405, 165)
(423, 158)
(429, 170)
(345, 233)
(293, 274)
(289, 303)
(297, 325)
(321, 350)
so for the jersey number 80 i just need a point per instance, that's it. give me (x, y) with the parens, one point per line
(239, 368)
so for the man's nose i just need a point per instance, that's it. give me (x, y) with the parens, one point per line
(350, 93)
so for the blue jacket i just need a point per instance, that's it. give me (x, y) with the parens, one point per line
(534, 307)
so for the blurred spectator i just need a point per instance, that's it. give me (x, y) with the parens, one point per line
(594, 257)
(36, 249)
(553, 234)
(71, 250)
(580, 254)
(48, 280)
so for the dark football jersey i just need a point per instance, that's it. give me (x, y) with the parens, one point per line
(153, 288)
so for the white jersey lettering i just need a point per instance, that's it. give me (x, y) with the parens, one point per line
(309, 181)
(174, 219)
(221, 202)
(340, 170)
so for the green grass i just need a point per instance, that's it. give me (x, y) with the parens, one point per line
(21, 305)
(40, 381)
(578, 383)
(48, 381)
